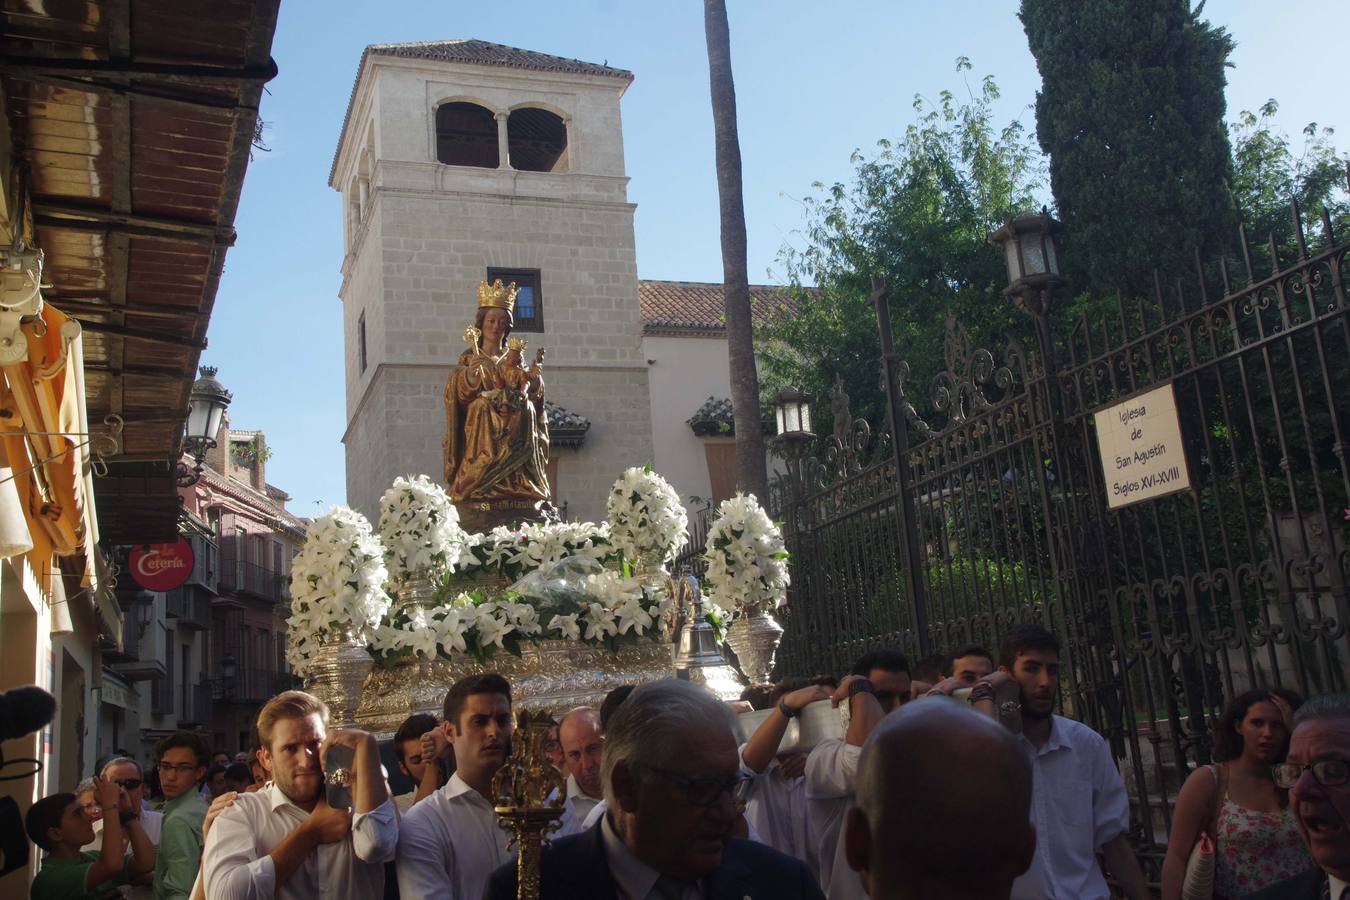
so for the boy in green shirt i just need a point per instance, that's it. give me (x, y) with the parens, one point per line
(182, 764)
(59, 826)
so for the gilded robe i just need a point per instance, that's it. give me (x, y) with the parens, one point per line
(496, 433)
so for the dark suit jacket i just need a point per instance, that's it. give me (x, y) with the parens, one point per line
(575, 868)
(1307, 886)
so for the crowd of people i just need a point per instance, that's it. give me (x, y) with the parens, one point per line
(954, 779)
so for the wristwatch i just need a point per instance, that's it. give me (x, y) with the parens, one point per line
(128, 817)
(787, 711)
(860, 686)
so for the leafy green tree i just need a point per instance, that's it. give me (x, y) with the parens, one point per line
(1131, 114)
(1268, 172)
(918, 212)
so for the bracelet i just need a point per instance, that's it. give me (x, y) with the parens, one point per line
(787, 711)
(980, 692)
(861, 686)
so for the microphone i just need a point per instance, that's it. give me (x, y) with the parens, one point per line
(24, 710)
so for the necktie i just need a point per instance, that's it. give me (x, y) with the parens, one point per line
(667, 888)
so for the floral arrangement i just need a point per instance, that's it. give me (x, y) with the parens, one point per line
(514, 551)
(419, 527)
(337, 581)
(646, 515)
(574, 598)
(570, 580)
(747, 561)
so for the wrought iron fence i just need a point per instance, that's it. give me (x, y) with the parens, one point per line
(691, 557)
(1165, 607)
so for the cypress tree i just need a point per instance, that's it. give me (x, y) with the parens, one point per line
(1131, 114)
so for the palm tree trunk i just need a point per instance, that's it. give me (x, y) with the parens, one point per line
(751, 476)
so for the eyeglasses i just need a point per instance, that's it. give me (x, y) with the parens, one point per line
(703, 791)
(181, 768)
(1326, 772)
(130, 784)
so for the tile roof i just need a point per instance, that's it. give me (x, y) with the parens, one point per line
(565, 428)
(716, 418)
(698, 306)
(487, 53)
(474, 52)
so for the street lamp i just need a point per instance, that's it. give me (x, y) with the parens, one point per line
(206, 407)
(793, 410)
(1031, 248)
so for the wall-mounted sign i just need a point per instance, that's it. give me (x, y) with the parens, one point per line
(1140, 445)
(161, 567)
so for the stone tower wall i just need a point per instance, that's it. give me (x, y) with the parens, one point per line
(427, 236)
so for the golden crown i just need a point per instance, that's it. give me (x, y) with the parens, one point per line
(497, 295)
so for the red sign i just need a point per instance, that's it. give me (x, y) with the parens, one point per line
(161, 567)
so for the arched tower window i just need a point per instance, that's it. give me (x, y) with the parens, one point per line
(537, 141)
(466, 135)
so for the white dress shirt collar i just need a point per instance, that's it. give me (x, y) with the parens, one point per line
(633, 878)
(1338, 887)
(1057, 740)
(457, 786)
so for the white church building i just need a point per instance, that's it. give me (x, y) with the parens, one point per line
(461, 161)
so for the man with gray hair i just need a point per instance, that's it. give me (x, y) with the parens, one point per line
(966, 779)
(126, 773)
(670, 772)
(1317, 775)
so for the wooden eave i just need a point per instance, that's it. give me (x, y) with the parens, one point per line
(132, 122)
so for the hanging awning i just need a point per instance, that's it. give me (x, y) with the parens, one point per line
(49, 452)
(135, 123)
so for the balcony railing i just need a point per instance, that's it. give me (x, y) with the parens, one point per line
(190, 606)
(251, 686)
(258, 581)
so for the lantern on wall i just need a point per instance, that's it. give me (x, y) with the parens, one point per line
(206, 407)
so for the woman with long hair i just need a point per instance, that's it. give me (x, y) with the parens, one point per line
(1256, 838)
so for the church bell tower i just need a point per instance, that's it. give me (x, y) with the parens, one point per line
(461, 161)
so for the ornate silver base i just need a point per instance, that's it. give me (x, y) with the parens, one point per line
(754, 636)
(722, 680)
(418, 590)
(554, 676)
(339, 671)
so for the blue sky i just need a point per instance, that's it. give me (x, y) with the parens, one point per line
(814, 81)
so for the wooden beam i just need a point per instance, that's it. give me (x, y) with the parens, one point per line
(75, 216)
(37, 66)
(140, 334)
(119, 306)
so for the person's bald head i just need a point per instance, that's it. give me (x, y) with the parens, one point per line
(944, 800)
(583, 747)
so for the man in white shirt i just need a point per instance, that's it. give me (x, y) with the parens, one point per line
(449, 843)
(284, 840)
(775, 798)
(410, 746)
(583, 746)
(879, 684)
(1078, 801)
(944, 796)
